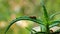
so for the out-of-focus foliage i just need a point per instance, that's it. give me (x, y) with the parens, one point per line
(10, 9)
(4, 10)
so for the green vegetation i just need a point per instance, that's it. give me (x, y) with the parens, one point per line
(47, 21)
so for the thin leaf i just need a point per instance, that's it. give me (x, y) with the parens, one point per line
(52, 16)
(46, 17)
(45, 11)
(30, 29)
(22, 18)
(54, 23)
(42, 28)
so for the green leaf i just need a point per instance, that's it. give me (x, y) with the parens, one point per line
(43, 28)
(52, 16)
(46, 17)
(54, 23)
(23, 18)
(45, 11)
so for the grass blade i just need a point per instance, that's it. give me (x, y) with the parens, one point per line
(54, 23)
(45, 11)
(46, 17)
(52, 16)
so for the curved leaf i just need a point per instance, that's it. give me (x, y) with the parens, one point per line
(23, 18)
(54, 23)
(52, 16)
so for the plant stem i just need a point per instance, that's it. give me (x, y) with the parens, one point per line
(46, 18)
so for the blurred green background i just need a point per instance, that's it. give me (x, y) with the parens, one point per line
(11, 9)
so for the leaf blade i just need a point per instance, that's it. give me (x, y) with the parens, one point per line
(54, 23)
(22, 18)
(52, 16)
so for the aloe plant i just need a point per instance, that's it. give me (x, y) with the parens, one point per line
(47, 22)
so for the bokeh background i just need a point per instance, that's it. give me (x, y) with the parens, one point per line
(11, 9)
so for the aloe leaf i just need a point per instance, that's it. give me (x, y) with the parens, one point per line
(54, 23)
(52, 16)
(22, 18)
